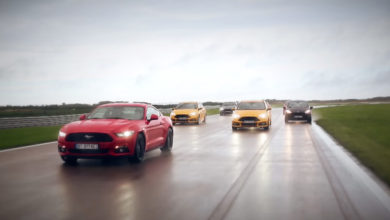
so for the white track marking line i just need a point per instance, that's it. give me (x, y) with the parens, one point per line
(25, 147)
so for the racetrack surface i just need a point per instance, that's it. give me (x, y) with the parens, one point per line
(292, 171)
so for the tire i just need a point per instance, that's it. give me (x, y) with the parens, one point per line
(204, 120)
(173, 123)
(234, 128)
(139, 149)
(198, 122)
(69, 160)
(168, 141)
(269, 124)
(220, 114)
(285, 120)
(309, 120)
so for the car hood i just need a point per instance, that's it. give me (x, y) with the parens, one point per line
(100, 125)
(184, 111)
(249, 113)
(298, 110)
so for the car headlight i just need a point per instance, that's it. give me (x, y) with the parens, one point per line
(263, 115)
(125, 134)
(288, 111)
(221, 109)
(173, 113)
(235, 116)
(193, 113)
(61, 134)
(308, 111)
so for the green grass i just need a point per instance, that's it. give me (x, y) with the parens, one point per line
(364, 130)
(28, 111)
(16, 137)
(213, 111)
(277, 105)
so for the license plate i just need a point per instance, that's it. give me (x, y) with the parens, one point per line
(182, 119)
(248, 122)
(298, 116)
(87, 146)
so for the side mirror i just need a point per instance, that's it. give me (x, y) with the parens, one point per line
(311, 107)
(153, 117)
(284, 107)
(173, 109)
(82, 117)
(269, 108)
(199, 108)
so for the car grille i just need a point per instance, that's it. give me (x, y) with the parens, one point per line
(182, 116)
(298, 114)
(249, 125)
(249, 119)
(89, 137)
(78, 151)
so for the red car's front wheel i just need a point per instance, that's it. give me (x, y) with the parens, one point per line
(139, 150)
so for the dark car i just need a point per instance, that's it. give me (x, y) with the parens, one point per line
(227, 108)
(297, 110)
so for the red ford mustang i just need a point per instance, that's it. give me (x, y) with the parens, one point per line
(116, 130)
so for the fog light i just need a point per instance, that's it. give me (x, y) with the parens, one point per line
(62, 148)
(121, 149)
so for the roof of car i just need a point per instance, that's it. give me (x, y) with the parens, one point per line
(124, 104)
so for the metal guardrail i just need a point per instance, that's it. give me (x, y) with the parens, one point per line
(19, 122)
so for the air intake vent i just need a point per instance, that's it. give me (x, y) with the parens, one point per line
(89, 137)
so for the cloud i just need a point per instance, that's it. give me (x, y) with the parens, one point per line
(171, 51)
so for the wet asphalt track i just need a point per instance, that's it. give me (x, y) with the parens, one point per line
(292, 171)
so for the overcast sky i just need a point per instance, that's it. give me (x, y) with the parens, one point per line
(86, 51)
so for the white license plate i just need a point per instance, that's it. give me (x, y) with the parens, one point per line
(87, 146)
(298, 116)
(248, 122)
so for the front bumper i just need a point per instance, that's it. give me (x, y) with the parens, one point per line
(256, 124)
(116, 148)
(189, 119)
(298, 116)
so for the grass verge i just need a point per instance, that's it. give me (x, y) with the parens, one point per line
(364, 131)
(213, 111)
(15, 137)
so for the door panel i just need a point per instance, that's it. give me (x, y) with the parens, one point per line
(155, 129)
(160, 132)
(152, 131)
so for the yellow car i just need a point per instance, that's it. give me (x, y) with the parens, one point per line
(189, 112)
(256, 114)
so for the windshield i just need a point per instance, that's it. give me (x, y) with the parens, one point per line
(228, 104)
(251, 106)
(118, 112)
(187, 106)
(297, 104)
